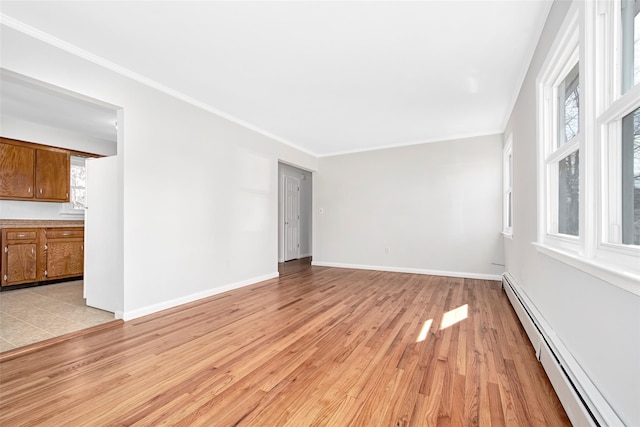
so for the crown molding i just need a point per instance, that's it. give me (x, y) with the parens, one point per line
(102, 62)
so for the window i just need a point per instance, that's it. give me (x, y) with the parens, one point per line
(589, 143)
(507, 198)
(78, 194)
(618, 137)
(561, 139)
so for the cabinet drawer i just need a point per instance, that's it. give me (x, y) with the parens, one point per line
(21, 235)
(62, 233)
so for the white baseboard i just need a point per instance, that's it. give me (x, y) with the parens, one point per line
(154, 308)
(581, 399)
(464, 275)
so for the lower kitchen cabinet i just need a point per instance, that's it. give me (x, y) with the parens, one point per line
(65, 252)
(19, 256)
(31, 255)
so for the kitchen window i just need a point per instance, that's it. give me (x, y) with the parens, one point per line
(78, 193)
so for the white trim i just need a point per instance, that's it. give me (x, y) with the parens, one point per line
(603, 271)
(154, 308)
(464, 275)
(621, 107)
(417, 142)
(68, 47)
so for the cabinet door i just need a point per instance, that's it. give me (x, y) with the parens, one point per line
(65, 258)
(52, 175)
(21, 263)
(16, 171)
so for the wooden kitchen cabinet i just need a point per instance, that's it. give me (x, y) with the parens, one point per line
(31, 255)
(52, 175)
(16, 171)
(33, 172)
(19, 256)
(65, 252)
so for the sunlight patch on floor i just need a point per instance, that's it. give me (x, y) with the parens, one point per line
(454, 316)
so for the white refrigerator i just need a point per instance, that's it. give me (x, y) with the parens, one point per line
(103, 282)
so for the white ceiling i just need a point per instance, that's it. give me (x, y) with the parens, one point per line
(24, 99)
(326, 76)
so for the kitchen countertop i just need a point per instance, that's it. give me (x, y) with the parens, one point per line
(31, 223)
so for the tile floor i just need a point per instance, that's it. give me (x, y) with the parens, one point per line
(35, 314)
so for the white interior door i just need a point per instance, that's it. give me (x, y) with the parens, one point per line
(291, 218)
(101, 282)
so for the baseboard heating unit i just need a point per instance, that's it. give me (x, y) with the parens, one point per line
(582, 401)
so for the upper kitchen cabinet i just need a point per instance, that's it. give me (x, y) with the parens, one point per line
(52, 175)
(16, 171)
(33, 172)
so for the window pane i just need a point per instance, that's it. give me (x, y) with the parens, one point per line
(568, 194)
(569, 107)
(509, 214)
(630, 43)
(78, 176)
(631, 178)
(78, 198)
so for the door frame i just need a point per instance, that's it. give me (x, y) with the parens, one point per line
(305, 177)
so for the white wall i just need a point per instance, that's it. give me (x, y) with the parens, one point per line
(33, 132)
(436, 207)
(305, 208)
(598, 323)
(199, 199)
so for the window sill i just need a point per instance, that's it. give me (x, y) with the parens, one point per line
(71, 214)
(612, 274)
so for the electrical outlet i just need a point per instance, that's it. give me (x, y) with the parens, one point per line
(387, 251)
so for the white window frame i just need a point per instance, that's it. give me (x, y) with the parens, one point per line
(613, 107)
(595, 28)
(507, 188)
(67, 208)
(565, 54)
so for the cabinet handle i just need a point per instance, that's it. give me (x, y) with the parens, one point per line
(29, 190)
(21, 235)
(41, 191)
(33, 250)
(5, 277)
(6, 249)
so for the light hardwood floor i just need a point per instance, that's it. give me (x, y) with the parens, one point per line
(320, 347)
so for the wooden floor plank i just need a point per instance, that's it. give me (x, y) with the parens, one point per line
(316, 347)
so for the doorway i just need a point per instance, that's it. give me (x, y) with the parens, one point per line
(294, 213)
(86, 127)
